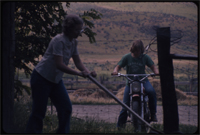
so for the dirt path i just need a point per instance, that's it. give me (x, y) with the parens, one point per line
(109, 113)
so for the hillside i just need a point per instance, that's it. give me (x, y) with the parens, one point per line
(123, 22)
(184, 9)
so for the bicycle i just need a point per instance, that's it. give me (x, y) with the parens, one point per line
(138, 101)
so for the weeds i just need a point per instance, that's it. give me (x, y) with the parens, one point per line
(90, 125)
(77, 125)
(186, 129)
(22, 112)
(84, 96)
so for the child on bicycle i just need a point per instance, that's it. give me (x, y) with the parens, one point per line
(135, 63)
(46, 79)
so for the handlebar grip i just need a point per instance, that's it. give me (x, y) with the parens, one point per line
(155, 74)
(114, 74)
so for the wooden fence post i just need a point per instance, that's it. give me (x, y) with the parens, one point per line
(169, 99)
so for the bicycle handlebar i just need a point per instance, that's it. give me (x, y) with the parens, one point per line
(119, 74)
(135, 75)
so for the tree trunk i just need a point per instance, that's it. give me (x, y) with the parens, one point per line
(8, 49)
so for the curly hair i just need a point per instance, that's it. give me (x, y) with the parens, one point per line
(70, 22)
(137, 45)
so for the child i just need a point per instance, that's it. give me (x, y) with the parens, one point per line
(135, 63)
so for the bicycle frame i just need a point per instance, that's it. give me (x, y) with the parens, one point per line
(137, 98)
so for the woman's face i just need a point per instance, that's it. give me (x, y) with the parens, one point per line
(76, 31)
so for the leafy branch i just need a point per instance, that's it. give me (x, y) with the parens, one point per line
(35, 24)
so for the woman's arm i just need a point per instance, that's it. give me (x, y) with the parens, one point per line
(79, 64)
(62, 67)
(81, 67)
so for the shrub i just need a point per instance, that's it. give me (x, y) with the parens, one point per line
(22, 112)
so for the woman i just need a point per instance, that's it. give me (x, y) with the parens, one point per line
(46, 79)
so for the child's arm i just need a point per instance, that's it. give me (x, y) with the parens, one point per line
(116, 70)
(154, 69)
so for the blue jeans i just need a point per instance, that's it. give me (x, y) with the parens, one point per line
(43, 89)
(126, 99)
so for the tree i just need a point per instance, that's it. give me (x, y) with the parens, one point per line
(36, 24)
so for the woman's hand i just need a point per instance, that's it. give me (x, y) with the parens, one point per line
(84, 73)
(93, 73)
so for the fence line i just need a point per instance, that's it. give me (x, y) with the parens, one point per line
(69, 82)
(190, 83)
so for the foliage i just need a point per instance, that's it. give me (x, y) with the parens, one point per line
(19, 87)
(34, 27)
(35, 24)
(88, 15)
(22, 112)
(50, 123)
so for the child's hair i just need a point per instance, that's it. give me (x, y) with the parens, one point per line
(70, 22)
(136, 46)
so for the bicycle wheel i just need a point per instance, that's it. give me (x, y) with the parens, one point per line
(146, 118)
(136, 121)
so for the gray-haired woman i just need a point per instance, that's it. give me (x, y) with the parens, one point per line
(46, 79)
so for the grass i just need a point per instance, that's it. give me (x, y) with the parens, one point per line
(21, 115)
(22, 110)
(98, 96)
(92, 101)
(90, 125)
(102, 101)
(91, 94)
(77, 125)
